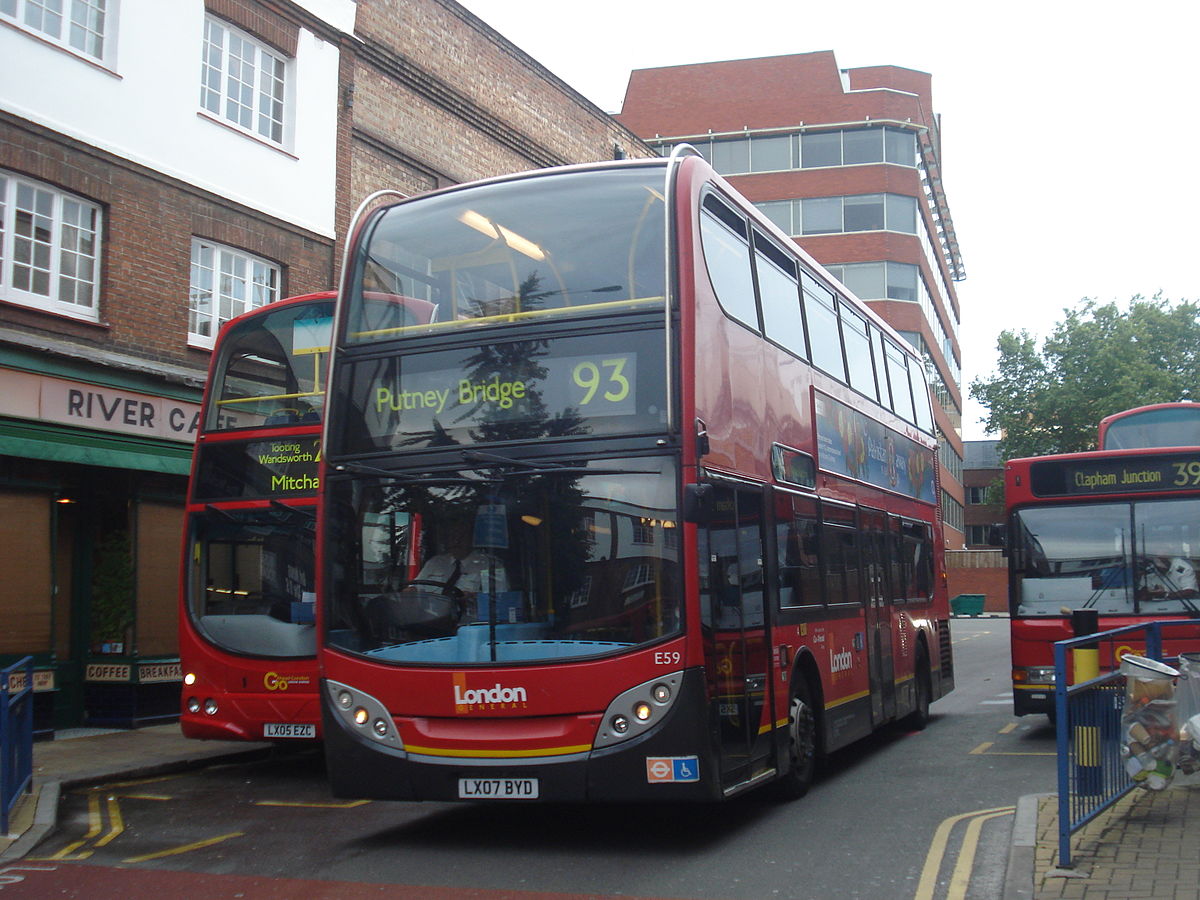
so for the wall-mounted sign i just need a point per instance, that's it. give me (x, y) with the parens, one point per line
(25, 395)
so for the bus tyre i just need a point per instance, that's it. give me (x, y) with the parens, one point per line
(802, 745)
(919, 717)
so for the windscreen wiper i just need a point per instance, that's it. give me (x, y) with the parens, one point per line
(542, 468)
(415, 480)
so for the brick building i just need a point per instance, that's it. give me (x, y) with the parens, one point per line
(163, 167)
(848, 162)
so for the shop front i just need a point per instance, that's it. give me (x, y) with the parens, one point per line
(93, 473)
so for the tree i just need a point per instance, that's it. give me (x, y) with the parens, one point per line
(1099, 360)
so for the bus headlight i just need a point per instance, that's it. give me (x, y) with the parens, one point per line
(193, 705)
(362, 713)
(210, 707)
(189, 679)
(638, 709)
(1033, 675)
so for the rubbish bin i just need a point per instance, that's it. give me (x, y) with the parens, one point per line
(1187, 695)
(1149, 722)
(967, 605)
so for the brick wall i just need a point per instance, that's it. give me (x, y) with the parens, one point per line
(979, 572)
(149, 221)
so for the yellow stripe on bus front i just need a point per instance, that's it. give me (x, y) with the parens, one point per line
(497, 754)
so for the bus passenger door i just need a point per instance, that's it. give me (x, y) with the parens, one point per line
(733, 611)
(879, 615)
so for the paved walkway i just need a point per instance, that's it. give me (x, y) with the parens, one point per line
(1147, 845)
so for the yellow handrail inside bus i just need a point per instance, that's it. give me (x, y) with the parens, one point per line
(509, 317)
(233, 401)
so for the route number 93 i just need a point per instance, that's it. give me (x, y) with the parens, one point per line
(607, 375)
(1187, 474)
(668, 658)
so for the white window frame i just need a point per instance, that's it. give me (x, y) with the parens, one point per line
(244, 83)
(48, 248)
(82, 27)
(224, 283)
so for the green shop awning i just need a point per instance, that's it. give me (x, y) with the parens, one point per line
(36, 440)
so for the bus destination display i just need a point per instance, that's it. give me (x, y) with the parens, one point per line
(245, 470)
(1135, 474)
(515, 390)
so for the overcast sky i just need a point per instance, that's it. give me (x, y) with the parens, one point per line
(1069, 130)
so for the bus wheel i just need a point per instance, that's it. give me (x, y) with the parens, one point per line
(802, 745)
(919, 717)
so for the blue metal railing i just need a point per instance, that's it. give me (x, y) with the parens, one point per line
(16, 739)
(1091, 769)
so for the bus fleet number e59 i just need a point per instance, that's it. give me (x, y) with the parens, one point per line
(668, 658)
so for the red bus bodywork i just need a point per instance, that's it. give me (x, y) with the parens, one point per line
(241, 694)
(870, 655)
(1114, 531)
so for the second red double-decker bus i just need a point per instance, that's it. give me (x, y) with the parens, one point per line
(1115, 531)
(647, 511)
(247, 640)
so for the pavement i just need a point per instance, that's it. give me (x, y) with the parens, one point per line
(1139, 848)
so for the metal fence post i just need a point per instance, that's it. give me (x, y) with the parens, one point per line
(16, 739)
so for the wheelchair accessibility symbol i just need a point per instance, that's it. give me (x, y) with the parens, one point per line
(663, 769)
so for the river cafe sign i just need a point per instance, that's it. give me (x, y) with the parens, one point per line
(45, 398)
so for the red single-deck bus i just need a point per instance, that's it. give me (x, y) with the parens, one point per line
(648, 510)
(247, 639)
(1116, 531)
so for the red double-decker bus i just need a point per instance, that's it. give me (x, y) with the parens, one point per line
(1157, 425)
(1116, 531)
(247, 639)
(647, 511)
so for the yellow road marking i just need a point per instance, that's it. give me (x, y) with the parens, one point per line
(937, 849)
(982, 748)
(186, 848)
(348, 804)
(1009, 728)
(961, 878)
(115, 820)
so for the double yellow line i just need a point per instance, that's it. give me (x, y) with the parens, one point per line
(960, 879)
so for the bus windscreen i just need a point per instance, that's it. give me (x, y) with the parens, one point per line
(503, 253)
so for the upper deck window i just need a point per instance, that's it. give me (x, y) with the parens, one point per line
(569, 244)
(271, 371)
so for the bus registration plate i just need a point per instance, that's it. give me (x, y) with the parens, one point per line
(289, 730)
(497, 788)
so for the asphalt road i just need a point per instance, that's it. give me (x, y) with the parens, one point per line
(904, 814)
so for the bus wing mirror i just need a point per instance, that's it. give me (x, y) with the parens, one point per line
(698, 502)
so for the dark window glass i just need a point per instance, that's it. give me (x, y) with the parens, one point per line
(253, 580)
(798, 549)
(527, 565)
(564, 245)
(731, 157)
(822, 328)
(901, 213)
(822, 148)
(863, 146)
(727, 256)
(769, 154)
(858, 352)
(900, 147)
(821, 215)
(864, 212)
(779, 212)
(271, 369)
(902, 281)
(781, 306)
(902, 402)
